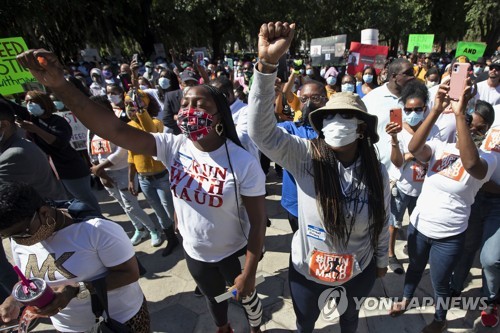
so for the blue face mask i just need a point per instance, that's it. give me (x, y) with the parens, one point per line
(331, 80)
(163, 82)
(59, 105)
(414, 118)
(348, 87)
(35, 109)
(368, 78)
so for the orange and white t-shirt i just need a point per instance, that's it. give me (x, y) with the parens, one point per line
(443, 206)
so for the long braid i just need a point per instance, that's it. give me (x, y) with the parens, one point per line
(331, 199)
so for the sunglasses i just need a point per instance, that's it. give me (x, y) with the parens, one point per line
(342, 114)
(495, 67)
(314, 98)
(408, 72)
(416, 109)
(26, 233)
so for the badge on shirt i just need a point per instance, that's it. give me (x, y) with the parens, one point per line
(316, 233)
(332, 267)
(419, 172)
(450, 166)
(100, 146)
(492, 142)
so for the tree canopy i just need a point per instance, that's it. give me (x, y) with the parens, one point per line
(66, 26)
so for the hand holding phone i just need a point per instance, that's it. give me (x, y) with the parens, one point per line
(396, 116)
(458, 80)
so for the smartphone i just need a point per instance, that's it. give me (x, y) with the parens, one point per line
(135, 57)
(458, 79)
(396, 116)
(283, 69)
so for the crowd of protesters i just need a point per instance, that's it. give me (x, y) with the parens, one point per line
(198, 137)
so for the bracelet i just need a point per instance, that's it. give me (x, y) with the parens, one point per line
(273, 66)
(395, 144)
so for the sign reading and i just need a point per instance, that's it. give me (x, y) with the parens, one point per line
(12, 75)
(473, 50)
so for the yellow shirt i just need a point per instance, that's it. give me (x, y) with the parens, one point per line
(295, 105)
(145, 164)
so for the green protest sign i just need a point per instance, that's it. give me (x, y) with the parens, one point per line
(424, 42)
(473, 50)
(12, 75)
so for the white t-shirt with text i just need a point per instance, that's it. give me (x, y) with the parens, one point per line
(212, 219)
(82, 252)
(443, 207)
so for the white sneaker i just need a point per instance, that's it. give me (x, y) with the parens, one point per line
(156, 239)
(138, 236)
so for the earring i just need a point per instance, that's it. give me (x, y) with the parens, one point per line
(361, 136)
(50, 224)
(219, 129)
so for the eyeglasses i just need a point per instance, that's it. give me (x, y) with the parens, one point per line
(26, 232)
(408, 72)
(495, 67)
(344, 115)
(314, 98)
(416, 109)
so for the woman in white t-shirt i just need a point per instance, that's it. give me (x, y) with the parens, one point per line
(49, 244)
(218, 187)
(414, 97)
(436, 233)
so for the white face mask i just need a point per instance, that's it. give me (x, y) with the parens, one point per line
(143, 87)
(115, 99)
(430, 84)
(340, 132)
(347, 87)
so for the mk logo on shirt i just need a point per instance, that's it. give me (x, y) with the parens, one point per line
(206, 183)
(450, 166)
(492, 142)
(50, 266)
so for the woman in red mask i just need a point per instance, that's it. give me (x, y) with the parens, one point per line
(217, 186)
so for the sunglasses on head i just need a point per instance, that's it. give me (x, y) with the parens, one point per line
(416, 109)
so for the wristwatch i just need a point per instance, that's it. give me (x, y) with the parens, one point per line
(83, 291)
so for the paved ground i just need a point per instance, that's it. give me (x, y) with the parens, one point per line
(169, 287)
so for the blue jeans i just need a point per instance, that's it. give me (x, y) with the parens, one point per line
(8, 277)
(490, 253)
(127, 201)
(399, 203)
(482, 210)
(159, 197)
(80, 189)
(305, 295)
(442, 255)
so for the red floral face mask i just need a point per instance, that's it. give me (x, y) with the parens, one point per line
(194, 123)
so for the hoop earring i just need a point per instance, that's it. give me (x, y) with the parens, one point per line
(47, 221)
(219, 129)
(361, 136)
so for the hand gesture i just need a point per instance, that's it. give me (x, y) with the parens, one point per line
(459, 107)
(392, 129)
(442, 100)
(274, 40)
(244, 285)
(63, 295)
(381, 272)
(131, 188)
(9, 310)
(28, 126)
(44, 66)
